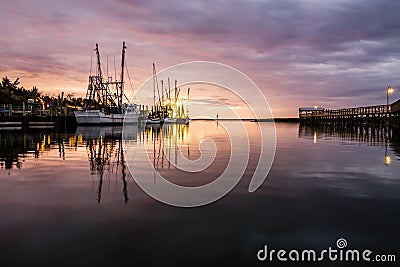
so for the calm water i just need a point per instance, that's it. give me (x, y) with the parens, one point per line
(69, 199)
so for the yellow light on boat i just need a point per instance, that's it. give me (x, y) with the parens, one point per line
(390, 90)
(388, 160)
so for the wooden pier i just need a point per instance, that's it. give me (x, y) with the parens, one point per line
(375, 115)
(37, 122)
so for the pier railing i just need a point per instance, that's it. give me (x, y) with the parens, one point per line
(28, 110)
(381, 110)
(378, 113)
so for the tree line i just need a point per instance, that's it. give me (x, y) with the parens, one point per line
(13, 93)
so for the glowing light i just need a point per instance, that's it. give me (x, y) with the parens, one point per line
(388, 160)
(315, 137)
(80, 139)
(315, 107)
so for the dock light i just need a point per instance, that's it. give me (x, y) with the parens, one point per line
(388, 160)
(315, 107)
(389, 91)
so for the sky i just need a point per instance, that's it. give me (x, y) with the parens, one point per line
(300, 53)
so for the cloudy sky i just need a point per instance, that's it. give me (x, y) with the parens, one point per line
(300, 53)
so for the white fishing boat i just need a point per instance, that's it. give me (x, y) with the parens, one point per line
(182, 120)
(129, 114)
(154, 121)
(104, 99)
(169, 120)
(175, 109)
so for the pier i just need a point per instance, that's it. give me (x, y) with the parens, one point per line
(372, 115)
(35, 122)
(28, 117)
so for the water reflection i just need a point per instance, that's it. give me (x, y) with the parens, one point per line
(165, 143)
(384, 136)
(15, 146)
(314, 194)
(104, 149)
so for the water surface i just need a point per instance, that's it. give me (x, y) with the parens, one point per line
(68, 198)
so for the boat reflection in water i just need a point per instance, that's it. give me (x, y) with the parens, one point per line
(104, 149)
(166, 143)
(189, 155)
(102, 145)
(313, 195)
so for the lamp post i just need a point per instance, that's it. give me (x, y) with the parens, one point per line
(388, 91)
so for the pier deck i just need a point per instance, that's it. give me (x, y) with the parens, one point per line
(367, 114)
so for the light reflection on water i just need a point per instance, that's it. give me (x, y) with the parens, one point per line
(69, 196)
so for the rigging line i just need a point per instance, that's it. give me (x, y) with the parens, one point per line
(130, 83)
(91, 62)
(115, 70)
(129, 102)
(108, 76)
(158, 89)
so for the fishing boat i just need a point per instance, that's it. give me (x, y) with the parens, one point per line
(104, 99)
(154, 121)
(184, 120)
(178, 111)
(155, 116)
(174, 109)
(129, 114)
(170, 120)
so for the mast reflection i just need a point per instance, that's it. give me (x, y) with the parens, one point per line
(106, 158)
(166, 143)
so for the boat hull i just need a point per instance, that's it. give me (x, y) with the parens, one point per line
(176, 120)
(96, 117)
(154, 121)
(169, 120)
(182, 120)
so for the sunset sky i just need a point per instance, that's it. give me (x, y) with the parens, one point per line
(300, 53)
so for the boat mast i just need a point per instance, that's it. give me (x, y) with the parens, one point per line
(121, 93)
(154, 85)
(187, 107)
(100, 78)
(169, 90)
(98, 61)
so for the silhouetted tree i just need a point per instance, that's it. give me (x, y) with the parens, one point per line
(11, 93)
